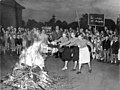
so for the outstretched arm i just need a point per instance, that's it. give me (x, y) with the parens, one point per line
(68, 42)
(58, 40)
(65, 43)
(74, 43)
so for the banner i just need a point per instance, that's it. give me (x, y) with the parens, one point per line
(96, 19)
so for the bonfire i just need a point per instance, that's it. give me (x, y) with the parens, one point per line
(29, 73)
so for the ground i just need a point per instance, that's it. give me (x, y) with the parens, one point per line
(103, 77)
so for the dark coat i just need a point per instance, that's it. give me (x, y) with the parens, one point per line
(106, 44)
(115, 47)
(56, 35)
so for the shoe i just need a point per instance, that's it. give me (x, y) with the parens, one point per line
(64, 68)
(79, 72)
(90, 70)
(73, 70)
(112, 62)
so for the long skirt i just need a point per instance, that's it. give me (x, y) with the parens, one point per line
(75, 53)
(66, 54)
(84, 55)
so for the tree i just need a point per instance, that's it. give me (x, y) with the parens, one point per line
(110, 24)
(32, 23)
(65, 25)
(40, 25)
(58, 23)
(73, 25)
(51, 22)
(84, 21)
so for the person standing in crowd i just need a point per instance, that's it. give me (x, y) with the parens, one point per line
(29, 38)
(74, 53)
(6, 41)
(24, 43)
(63, 50)
(84, 53)
(57, 33)
(13, 44)
(44, 36)
(106, 49)
(115, 48)
(18, 44)
(99, 48)
(50, 38)
(119, 56)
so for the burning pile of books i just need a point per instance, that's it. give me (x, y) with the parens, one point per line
(25, 77)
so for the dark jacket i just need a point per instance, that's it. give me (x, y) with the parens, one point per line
(106, 44)
(56, 35)
(115, 47)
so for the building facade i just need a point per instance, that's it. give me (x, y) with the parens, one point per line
(10, 13)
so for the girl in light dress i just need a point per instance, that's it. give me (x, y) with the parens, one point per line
(13, 48)
(24, 43)
(119, 55)
(6, 42)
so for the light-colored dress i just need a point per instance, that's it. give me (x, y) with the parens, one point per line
(13, 44)
(84, 53)
(24, 42)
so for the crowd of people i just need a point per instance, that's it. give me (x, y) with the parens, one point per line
(106, 45)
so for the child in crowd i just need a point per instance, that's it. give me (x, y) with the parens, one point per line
(115, 49)
(119, 55)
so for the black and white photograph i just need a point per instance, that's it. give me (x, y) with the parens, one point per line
(59, 44)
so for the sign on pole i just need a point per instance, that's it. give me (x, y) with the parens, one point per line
(96, 20)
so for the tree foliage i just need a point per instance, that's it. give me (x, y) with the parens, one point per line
(83, 22)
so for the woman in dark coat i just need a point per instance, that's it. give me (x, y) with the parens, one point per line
(65, 50)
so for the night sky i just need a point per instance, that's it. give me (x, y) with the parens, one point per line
(42, 10)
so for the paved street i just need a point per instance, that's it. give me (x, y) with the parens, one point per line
(103, 77)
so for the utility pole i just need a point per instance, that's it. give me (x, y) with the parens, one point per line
(77, 18)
